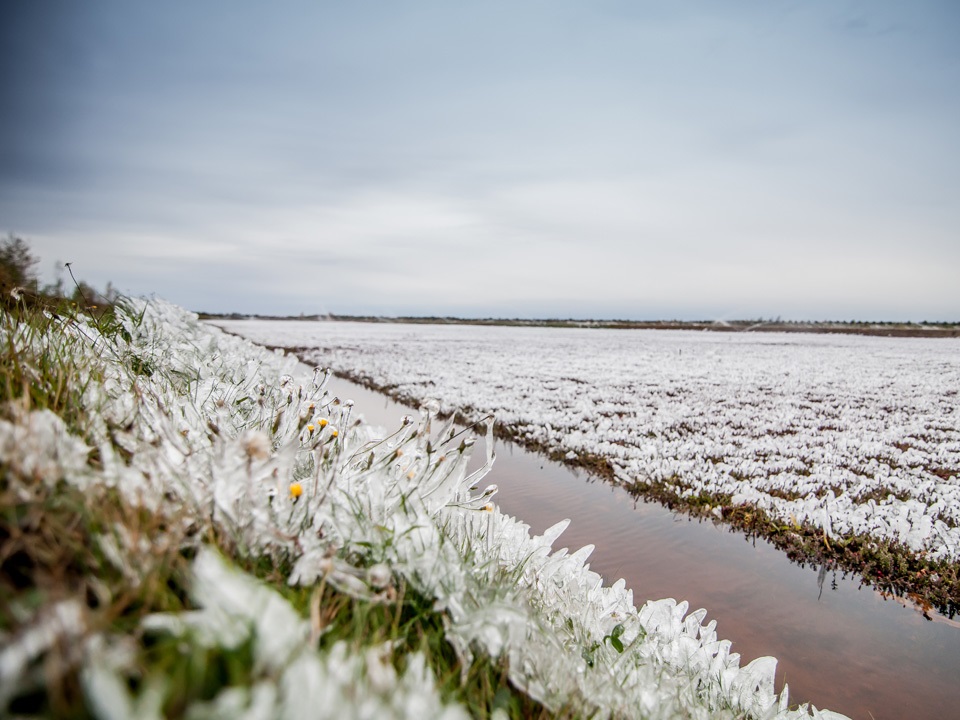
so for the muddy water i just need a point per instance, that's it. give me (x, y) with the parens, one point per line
(839, 646)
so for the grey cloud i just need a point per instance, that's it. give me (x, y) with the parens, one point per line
(621, 159)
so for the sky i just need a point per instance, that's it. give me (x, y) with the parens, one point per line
(610, 159)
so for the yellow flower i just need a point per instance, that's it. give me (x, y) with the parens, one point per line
(296, 490)
(334, 432)
(323, 422)
(310, 429)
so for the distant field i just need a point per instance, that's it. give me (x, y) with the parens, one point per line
(882, 329)
(835, 438)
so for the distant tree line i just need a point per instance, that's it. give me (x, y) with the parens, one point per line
(19, 281)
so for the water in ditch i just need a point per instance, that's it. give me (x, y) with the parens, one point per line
(839, 645)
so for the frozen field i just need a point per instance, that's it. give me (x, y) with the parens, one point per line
(855, 435)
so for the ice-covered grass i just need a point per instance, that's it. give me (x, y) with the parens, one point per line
(153, 470)
(852, 435)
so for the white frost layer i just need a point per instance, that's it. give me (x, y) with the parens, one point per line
(215, 430)
(856, 435)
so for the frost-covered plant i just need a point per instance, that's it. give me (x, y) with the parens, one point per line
(849, 435)
(215, 440)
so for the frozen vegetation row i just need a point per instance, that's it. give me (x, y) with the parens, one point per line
(853, 435)
(209, 431)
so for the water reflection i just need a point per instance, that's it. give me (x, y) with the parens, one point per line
(839, 645)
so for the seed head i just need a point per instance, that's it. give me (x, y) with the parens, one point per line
(256, 445)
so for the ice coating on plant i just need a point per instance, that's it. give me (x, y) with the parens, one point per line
(295, 682)
(62, 623)
(212, 433)
(853, 435)
(38, 445)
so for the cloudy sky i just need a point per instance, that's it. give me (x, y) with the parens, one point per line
(618, 159)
